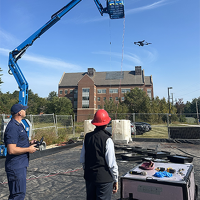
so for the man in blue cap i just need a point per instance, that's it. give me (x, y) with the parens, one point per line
(18, 149)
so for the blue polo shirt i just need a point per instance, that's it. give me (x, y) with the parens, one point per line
(16, 134)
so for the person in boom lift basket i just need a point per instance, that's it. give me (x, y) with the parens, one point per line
(18, 149)
(98, 160)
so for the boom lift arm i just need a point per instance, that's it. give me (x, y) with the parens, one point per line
(18, 52)
(115, 9)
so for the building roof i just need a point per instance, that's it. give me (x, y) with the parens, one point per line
(107, 78)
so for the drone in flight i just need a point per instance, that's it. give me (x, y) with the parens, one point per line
(142, 43)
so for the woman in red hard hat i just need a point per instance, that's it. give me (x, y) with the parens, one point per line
(98, 160)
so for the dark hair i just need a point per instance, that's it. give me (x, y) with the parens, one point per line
(13, 114)
(101, 127)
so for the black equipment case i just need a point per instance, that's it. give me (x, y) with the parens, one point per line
(145, 186)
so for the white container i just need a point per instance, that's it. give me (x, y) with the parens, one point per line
(88, 126)
(121, 130)
(181, 186)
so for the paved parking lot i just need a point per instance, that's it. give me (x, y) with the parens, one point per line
(60, 176)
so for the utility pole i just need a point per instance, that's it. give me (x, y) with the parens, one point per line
(172, 99)
(197, 113)
(169, 104)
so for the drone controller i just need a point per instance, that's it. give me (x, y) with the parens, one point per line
(38, 143)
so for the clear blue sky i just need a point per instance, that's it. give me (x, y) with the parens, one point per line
(84, 39)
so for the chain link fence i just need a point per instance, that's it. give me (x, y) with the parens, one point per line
(54, 128)
(149, 125)
(67, 126)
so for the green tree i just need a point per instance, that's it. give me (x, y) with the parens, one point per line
(51, 95)
(6, 102)
(122, 110)
(59, 106)
(116, 110)
(15, 94)
(155, 105)
(187, 108)
(122, 107)
(164, 108)
(110, 106)
(137, 101)
(193, 105)
(180, 106)
(36, 104)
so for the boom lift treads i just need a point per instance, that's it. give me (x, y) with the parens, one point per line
(115, 9)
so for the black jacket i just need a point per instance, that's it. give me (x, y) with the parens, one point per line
(96, 168)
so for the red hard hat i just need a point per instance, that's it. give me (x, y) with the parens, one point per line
(101, 118)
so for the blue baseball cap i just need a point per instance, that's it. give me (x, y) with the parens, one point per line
(17, 107)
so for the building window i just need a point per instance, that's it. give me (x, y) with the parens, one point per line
(110, 98)
(116, 98)
(70, 91)
(76, 94)
(85, 90)
(71, 98)
(122, 98)
(66, 91)
(75, 98)
(61, 91)
(111, 91)
(85, 97)
(98, 98)
(125, 90)
(85, 104)
(149, 93)
(75, 104)
(101, 91)
(99, 107)
(104, 98)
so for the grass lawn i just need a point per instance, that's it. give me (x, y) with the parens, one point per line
(156, 132)
(64, 134)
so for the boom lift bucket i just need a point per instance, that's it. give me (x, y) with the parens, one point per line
(115, 9)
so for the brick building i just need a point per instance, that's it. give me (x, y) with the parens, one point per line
(89, 90)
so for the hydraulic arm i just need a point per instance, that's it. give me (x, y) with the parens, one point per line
(17, 53)
(112, 9)
(115, 9)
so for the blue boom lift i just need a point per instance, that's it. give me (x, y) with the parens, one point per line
(115, 9)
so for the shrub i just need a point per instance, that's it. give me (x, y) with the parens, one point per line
(51, 137)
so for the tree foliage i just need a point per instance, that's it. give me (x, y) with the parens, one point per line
(191, 107)
(187, 108)
(180, 106)
(116, 110)
(59, 106)
(36, 104)
(137, 101)
(110, 106)
(6, 102)
(51, 95)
